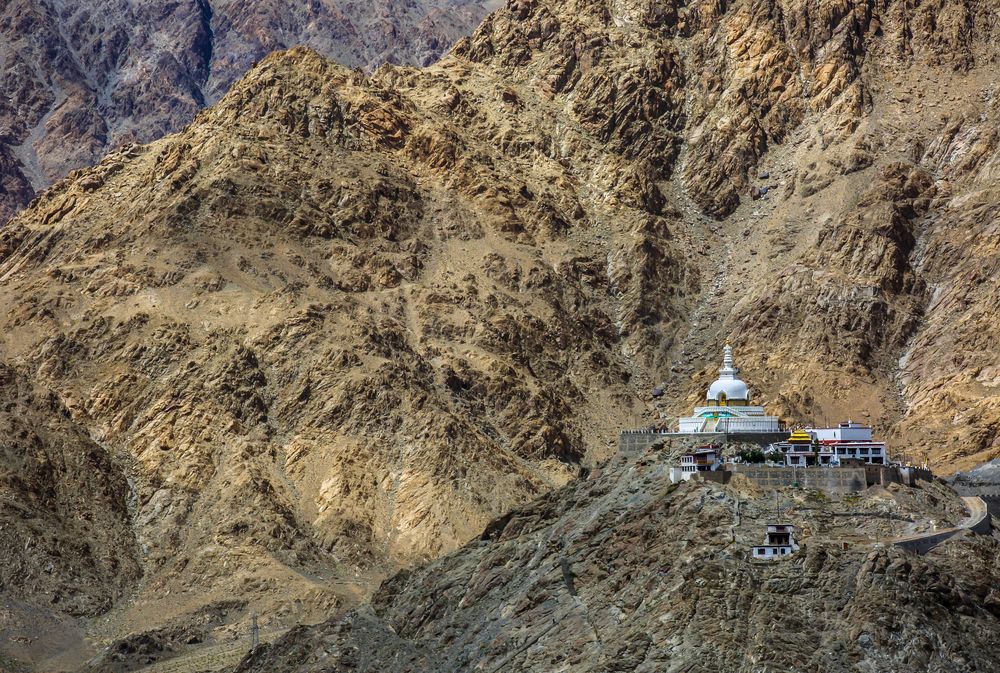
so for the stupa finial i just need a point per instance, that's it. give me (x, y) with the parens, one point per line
(727, 356)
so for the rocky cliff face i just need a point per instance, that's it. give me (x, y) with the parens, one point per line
(79, 79)
(625, 572)
(67, 548)
(342, 321)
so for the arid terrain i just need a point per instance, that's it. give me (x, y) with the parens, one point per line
(624, 571)
(81, 78)
(342, 321)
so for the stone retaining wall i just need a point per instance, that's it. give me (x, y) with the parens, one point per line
(922, 545)
(878, 474)
(911, 475)
(831, 479)
(632, 442)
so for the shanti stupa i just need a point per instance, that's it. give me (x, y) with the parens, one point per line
(728, 406)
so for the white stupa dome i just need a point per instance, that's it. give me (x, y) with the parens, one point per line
(728, 384)
(734, 390)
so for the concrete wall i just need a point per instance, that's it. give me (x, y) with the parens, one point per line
(922, 545)
(832, 479)
(984, 527)
(910, 475)
(992, 504)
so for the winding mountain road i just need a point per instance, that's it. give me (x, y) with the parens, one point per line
(924, 542)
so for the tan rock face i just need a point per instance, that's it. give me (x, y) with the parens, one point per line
(342, 321)
(65, 531)
(81, 78)
(330, 341)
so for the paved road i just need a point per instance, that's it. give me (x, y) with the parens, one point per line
(977, 512)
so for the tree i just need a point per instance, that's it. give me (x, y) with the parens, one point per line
(751, 455)
(775, 456)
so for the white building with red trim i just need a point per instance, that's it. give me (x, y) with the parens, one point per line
(851, 440)
(832, 446)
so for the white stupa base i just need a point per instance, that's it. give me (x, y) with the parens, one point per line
(729, 420)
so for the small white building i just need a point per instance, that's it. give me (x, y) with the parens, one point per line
(728, 407)
(844, 432)
(779, 541)
(702, 459)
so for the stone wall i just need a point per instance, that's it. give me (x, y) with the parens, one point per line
(910, 475)
(877, 474)
(885, 475)
(632, 442)
(716, 476)
(831, 479)
(923, 544)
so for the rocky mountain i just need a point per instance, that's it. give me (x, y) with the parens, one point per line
(67, 548)
(342, 321)
(79, 79)
(625, 572)
(987, 473)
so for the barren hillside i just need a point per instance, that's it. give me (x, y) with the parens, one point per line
(627, 572)
(341, 321)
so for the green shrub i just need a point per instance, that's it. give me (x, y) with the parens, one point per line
(751, 455)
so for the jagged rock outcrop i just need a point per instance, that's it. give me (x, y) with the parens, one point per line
(66, 543)
(80, 79)
(626, 572)
(66, 533)
(433, 354)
